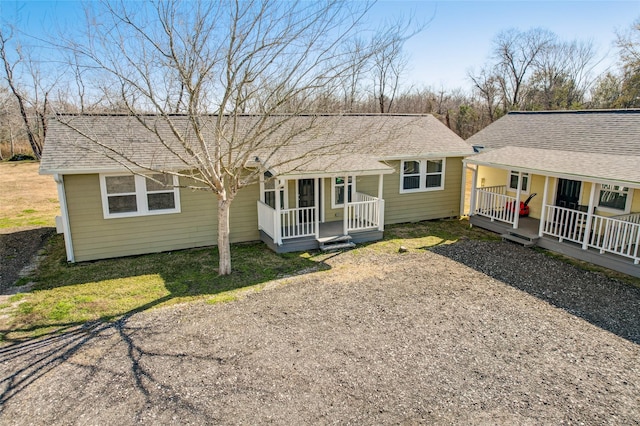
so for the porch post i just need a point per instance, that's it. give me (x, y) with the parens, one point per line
(278, 230)
(463, 188)
(316, 203)
(474, 185)
(587, 230)
(345, 211)
(516, 204)
(380, 203)
(543, 216)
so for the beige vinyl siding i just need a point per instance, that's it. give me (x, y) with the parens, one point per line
(427, 205)
(196, 226)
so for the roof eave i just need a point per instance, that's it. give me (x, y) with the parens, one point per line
(551, 173)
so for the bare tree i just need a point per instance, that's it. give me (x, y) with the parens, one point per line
(486, 84)
(561, 76)
(213, 62)
(34, 107)
(515, 53)
(389, 62)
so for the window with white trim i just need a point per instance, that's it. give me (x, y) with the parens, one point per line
(421, 175)
(337, 191)
(614, 198)
(269, 193)
(513, 181)
(135, 195)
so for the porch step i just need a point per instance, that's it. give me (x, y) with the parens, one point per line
(334, 239)
(337, 246)
(527, 241)
(337, 242)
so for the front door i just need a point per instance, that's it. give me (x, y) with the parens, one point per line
(306, 193)
(568, 194)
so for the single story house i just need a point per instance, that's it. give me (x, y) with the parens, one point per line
(331, 184)
(579, 172)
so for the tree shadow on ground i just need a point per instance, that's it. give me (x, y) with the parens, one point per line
(182, 274)
(607, 303)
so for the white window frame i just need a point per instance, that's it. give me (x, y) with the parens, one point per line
(627, 208)
(334, 193)
(525, 188)
(423, 176)
(141, 192)
(284, 192)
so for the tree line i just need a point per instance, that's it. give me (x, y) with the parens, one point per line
(528, 70)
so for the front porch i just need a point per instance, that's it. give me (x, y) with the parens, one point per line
(302, 228)
(576, 230)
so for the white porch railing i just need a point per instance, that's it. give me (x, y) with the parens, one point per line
(492, 202)
(631, 217)
(267, 220)
(616, 236)
(292, 223)
(607, 234)
(364, 212)
(564, 223)
(300, 222)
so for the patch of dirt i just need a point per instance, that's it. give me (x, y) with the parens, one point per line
(18, 251)
(515, 337)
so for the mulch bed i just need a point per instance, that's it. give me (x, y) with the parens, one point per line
(378, 339)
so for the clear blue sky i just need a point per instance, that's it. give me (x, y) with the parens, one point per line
(460, 33)
(458, 36)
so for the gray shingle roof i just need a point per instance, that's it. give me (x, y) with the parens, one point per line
(602, 145)
(100, 143)
(594, 131)
(596, 166)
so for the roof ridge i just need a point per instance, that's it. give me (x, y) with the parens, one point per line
(579, 111)
(337, 114)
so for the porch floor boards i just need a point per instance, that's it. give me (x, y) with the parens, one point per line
(327, 232)
(528, 226)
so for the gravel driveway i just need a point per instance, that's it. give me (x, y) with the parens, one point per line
(377, 339)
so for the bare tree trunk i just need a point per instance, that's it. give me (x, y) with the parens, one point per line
(224, 247)
(36, 145)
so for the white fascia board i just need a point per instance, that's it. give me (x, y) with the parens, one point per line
(426, 156)
(313, 175)
(570, 176)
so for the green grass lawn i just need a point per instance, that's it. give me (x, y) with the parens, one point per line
(70, 294)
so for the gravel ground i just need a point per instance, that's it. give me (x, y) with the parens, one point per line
(515, 338)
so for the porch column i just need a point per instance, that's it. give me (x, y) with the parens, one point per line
(474, 185)
(463, 188)
(345, 211)
(278, 226)
(316, 203)
(380, 203)
(543, 216)
(587, 230)
(516, 205)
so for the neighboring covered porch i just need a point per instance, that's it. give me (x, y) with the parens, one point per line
(592, 217)
(329, 210)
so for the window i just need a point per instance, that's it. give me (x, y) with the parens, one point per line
(337, 191)
(421, 175)
(614, 198)
(269, 193)
(133, 195)
(513, 181)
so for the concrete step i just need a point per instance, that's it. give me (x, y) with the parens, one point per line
(337, 246)
(334, 239)
(520, 239)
